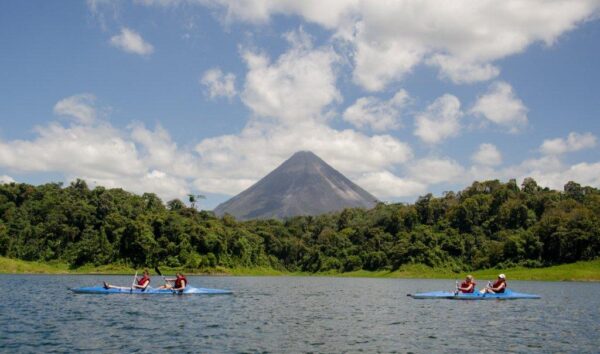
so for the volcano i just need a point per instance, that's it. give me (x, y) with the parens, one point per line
(302, 185)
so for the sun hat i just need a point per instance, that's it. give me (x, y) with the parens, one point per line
(502, 276)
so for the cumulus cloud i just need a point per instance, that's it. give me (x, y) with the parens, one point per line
(219, 84)
(501, 106)
(289, 99)
(104, 156)
(385, 184)
(131, 42)
(552, 172)
(260, 147)
(79, 107)
(5, 179)
(440, 120)
(298, 86)
(375, 113)
(463, 72)
(389, 39)
(436, 170)
(138, 159)
(574, 142)
(487, 155)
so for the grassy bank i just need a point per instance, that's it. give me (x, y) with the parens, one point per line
(580, 271)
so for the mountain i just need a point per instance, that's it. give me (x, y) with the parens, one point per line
(302, 185)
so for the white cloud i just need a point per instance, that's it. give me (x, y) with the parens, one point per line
(463, 72)
(501, 106)
(377, 114)
(574, 142)
(436, 170)
(5, 179)
(440, 120)
(219, 84)
(88, 150)
(104, 156)
(158, 151)
(289, 98)
(487, 155)
(550, 171)
(131, 42)
(385, 184)
(298, 86)
(388, 39)
(103, 11)
(81, 107)
(260, 147)
(138, 159)
(166, 186)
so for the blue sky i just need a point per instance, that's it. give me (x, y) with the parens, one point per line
(207, 96)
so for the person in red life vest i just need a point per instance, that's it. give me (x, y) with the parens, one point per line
(178, 283)
(141, 283)
(467, 286)
(497, 287)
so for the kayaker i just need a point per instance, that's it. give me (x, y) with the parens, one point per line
(497, 287)
(141, 283)
(467, 286)
(178, 283)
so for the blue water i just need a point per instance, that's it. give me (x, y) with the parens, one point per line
(294, 314)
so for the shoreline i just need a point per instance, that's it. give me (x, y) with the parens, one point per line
(588, 271)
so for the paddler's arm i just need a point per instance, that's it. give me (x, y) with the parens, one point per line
(143, 286)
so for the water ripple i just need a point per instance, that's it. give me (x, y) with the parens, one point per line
(293, 314)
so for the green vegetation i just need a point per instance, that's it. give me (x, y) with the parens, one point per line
(580, 271)
(487, 227)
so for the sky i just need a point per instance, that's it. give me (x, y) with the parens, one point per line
(179, 97)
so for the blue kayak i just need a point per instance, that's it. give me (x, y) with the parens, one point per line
(151, 291)
(506, 295)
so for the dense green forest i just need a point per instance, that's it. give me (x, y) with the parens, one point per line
(489, 224)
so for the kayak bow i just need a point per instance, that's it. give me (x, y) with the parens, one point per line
(507, 295)
(150, 291)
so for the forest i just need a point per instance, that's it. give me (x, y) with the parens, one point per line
(489, 224)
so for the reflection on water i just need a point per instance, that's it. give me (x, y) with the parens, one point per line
(294, 314)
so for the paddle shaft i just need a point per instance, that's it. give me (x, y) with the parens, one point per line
(159, 273)
(134, 279)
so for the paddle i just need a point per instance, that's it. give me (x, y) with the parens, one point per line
(159, 273)
(456, 288)
(133, 283)
(483, 291)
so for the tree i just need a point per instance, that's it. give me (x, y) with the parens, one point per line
(193, 198)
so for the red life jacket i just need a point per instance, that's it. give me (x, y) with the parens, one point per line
(499, 282)
(464, 284)
(179, 280)
(143, 280)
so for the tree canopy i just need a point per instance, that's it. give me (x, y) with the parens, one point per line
(489, 224)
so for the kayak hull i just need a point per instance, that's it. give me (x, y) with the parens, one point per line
(152, 291)
(507, 295)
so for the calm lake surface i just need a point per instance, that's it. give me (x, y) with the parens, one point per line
(294, 314)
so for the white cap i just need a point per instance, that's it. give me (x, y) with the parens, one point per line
(502, 276)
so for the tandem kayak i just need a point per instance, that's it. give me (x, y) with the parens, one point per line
(152, 291)
(507, 295)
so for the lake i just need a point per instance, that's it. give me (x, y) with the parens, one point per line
(294, 314)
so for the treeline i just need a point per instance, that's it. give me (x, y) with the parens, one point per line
(489, 224)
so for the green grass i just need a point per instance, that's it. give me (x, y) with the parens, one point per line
(580, 271)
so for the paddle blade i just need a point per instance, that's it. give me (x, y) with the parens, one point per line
(157, 271)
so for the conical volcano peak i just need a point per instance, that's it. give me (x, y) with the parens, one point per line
(303, 156)
(304, 184)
